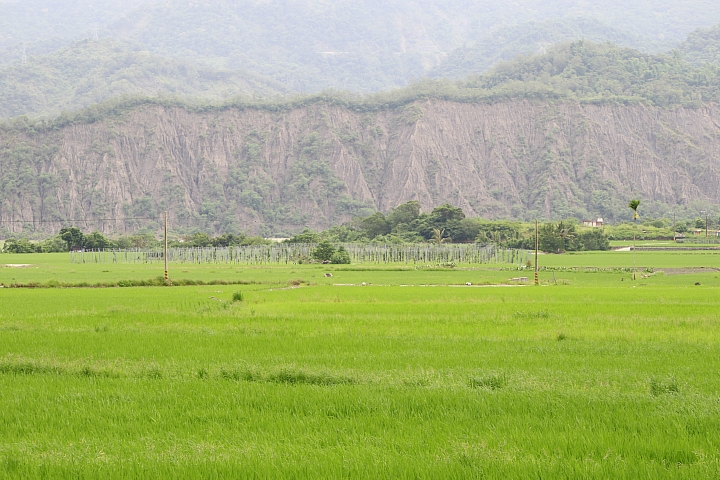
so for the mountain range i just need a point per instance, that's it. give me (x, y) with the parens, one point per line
(211, 111)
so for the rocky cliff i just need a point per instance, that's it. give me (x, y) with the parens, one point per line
(275, 172)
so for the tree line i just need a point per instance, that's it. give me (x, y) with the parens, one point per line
(447, 223)
(72, 238)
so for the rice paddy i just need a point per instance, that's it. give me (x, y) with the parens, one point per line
(360, 371)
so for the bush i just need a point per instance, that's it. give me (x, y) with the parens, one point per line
(594, 240)
(54, 245)
(21, 245)
(323, 252)
(340, 257)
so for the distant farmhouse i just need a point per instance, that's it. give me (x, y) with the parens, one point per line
(593, 223)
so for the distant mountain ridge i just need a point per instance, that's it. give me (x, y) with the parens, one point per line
(575, 132)
(360, 46)
(92, 71)
(277, 172)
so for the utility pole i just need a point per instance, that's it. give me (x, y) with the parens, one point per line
(537, 282)
(674, 229)
(24, 55)
(96, 36)
(166, 249)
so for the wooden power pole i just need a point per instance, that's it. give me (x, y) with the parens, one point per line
(166, 252)
(537, 282)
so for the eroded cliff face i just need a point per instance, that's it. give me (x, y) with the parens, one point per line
(276, 172)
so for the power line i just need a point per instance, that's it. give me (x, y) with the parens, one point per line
(80, 220)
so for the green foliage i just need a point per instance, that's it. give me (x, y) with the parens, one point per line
(702, 48)
(593, 239)
(307, 236)
(96, 241)
(88, 72)
(73, 237)
(404, 214)
(340, 256)
(20, 245)
(563, 237)
(324, 251)
(528, 38)
(375, 225)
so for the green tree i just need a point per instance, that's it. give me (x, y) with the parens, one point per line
(438, 236)
(557, 238)
(307, 236)
(73, 237)
(593, 239)
(548, 241)
(323, 252)
(375, 225)
(340, 257)
(405, 213)
(21, 245)
(54, 245)
(442, 215)
(96, 241)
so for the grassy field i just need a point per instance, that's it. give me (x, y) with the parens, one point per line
(414, 375)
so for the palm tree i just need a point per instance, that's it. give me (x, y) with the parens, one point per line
(633, 205)
(565, 232)
(438, 236)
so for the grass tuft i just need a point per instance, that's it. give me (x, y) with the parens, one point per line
(664, 387)
(153, 373)
(490, 382)
(532, 315)
(237, 297)
(290, 377)
(560, 337)
(26, 368)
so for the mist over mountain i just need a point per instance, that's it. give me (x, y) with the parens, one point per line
(528, 39)
(89, 72)
(361, 46)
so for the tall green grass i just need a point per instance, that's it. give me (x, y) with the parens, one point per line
(597, 378)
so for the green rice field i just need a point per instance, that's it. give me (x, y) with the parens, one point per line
(400, 371)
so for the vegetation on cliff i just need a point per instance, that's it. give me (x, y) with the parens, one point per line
(281, 165)
(88, 72)
(580, 71)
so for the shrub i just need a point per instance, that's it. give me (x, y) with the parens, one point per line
(323, 252)
(340, 257)
(21, 245)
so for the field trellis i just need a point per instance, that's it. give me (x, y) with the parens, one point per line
(279, 254)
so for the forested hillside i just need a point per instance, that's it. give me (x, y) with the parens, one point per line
(352, 45)
(702, 46)
(528, 39)
(91, 71)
